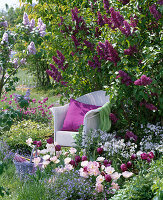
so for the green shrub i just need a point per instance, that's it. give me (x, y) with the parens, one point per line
(144, 187)
(20, 132)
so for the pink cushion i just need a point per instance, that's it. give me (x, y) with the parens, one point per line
(75, 115)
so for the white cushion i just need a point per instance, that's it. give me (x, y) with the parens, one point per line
(65, 138)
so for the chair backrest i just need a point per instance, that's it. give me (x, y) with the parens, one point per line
(97, 98)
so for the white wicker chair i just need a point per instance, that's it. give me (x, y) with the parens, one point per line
(91, 119)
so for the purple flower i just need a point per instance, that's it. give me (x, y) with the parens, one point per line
(73, 163)
(4, 24)
(150, 106)
(129, 164)
(15, 62)
(133, 156)
(23, 61)
(123, 167)
(32, 24)
(153, 10)
(89, 45)
(31, 48)
(116, 18)
(57, 147)
(106, 5)
(151, 155)
(144, 80)
(84, 158)
(4, 38)
(75, 41)
(25, 19)
(97, 32)
(113, 118)
(131, 50)
(125, 78)
(160, 2)
(127, 30)
(125, 1)
(100, 20)
(50, 140)
(78, 159)
(131, 135)
(144, 156)
(108, 178)
(99, 150)
(37, 143)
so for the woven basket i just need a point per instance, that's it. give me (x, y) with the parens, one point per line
(24, 168)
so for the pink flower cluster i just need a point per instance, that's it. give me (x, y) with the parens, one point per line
(32, 110)
(106, 5)
(144, 80)
(147, 156)
(107, 52)
(125, 78)
(153, 10)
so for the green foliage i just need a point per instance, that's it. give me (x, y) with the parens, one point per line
(20, 132)
(143, 186)
(8, 116)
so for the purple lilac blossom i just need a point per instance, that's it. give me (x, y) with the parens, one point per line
(127, 30)
(32, 24)
(160, 2)
(23, 61)
(97, 32)
(113, 118)
(125, 78)
(4, 38)
(107, 52)
(116, 18)
(89, 45)
(130, 51)
(144, 80)
(106, 5)
(76, 42)
(25, 19)
(31, 48)
(153, 10)
(150, 106)
(124, 2)
(4, 24)
(100, 20)
(15, 62)
(96, 63)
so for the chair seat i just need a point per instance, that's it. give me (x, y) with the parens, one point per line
(65, 138)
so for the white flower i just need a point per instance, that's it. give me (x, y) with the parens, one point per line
(127, 174)
(102, 167)
(115, 186)
(109, 170)
(67, 160)
(55, 159)
(84, 163)
(29, 141)
(45, 163)
(100, 179)
(115, 175)
(36, 161)
(46, 157)
(139, 153)
(44, 151)
(83, 173)
(100, 159)
(72, 150)
(68, 167)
